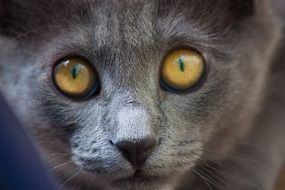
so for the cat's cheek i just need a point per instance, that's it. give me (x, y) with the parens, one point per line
(162, 95)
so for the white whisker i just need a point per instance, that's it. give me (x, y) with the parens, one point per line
(60, 165)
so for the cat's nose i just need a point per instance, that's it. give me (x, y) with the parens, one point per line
(136, 152)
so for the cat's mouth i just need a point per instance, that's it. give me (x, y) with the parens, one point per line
(139, 177)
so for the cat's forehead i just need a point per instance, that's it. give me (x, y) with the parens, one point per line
(32, 13)
(136, 20)
(150, 10)
(123, 26)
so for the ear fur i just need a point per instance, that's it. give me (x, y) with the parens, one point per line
(21, 16)
(243, 8)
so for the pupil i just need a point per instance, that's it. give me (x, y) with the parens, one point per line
(181, 64)
(75, 70)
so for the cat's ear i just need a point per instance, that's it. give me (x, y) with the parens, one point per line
(243, 8)
(233, 9)
(22, 16)
(15, 16)
(246, 8)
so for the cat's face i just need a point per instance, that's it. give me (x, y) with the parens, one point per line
(127, 42)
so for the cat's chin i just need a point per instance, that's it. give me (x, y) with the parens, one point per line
(135, 180)
(142, 183)
(139, 180)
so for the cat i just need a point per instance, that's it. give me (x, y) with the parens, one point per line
(140, 129)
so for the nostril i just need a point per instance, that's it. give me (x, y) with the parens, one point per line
(126, 153)
(111, 142)
(136, 152)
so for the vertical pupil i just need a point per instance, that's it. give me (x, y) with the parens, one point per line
(75, 70)
(181, 64)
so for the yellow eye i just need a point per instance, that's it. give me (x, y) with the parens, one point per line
(75, 77)
(182, 69)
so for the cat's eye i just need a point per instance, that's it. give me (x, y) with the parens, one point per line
(181, 70)
(75, 77)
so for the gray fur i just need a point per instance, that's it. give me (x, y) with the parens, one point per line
(224, 135)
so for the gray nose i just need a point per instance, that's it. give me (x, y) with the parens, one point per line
(136, 152)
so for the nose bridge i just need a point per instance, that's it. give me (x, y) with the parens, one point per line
(133, 124)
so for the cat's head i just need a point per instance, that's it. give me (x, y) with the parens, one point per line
(158, 83)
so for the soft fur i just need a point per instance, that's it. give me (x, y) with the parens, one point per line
(228, 134)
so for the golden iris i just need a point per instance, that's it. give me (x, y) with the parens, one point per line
(182, 69)
(75, 77)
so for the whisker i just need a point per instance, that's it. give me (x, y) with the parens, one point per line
(76, 173)
(206, 180)
(55, 156)
(36, 30)
(234, 172)
(237, 158)
(51, 153)
(236, 142)
(215, 177)
(60, 165)
(254, 162)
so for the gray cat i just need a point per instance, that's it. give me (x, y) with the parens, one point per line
(145, 95)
